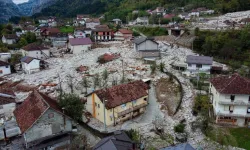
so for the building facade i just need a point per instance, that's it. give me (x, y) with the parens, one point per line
(146, 47)
(4, 68)
(117, 108)
(199, 64)
(230, 97)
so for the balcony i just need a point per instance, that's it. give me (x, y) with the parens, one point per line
(236, 103)
(233, 115)
(122, 113)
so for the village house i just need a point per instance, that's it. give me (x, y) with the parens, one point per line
(116, 21)
(46, 33)
(176, 30)
(43, 20)
(4, 68)
(9, 38)
(245, 21)
(142, 21)
(59, 39)
(28, 29)
(91, 23)
(36, 50)
(118, 103)
(5, 57)
(118, 141)
(79, 45)
(102, 33)
(31, 65)
(184, 16)
(146, 47)
(159, 11)
(199, 64)
(79, 33)
(123, 34)
(230, 96)
(40, 119)
(81, 20)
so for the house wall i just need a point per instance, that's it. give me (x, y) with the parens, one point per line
(146, 54)
(91, 25)
(7, 109)
(79, 34)
(192, 68)
(36, 54)
(224, 108)
(78, 49)
(120, 36)
(4, 70)
(46, 126)
(33, 66)
(96, 108)
(147, 45)
(5, 56)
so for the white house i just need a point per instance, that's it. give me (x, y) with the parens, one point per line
(230, 96)
(5, 56)
(79, 45)
(9, 38)
(36, 51)
(200, 64)
(79, 33)
(146, 47)
(30, 64)
(4, 68)
(142, 20)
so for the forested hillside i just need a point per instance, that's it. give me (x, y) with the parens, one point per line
(123, 8)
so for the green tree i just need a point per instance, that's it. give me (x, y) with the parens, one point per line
(22, 42)
(96, 81)
(85, 83)
(105, 76)
(153, 68)
(162, 67)
(72, 105)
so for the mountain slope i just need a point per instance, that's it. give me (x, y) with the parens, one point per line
(8, 9)
(69, 8)
(35, 6)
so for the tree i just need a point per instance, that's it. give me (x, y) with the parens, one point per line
(22, 42)
(105, 77)
(70, 83)
(85, 83)
(96, 81)
(162, 67)
(72, 105)
(153, 68)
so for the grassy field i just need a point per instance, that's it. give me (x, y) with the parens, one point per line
(242, 136)
(67, 29)
(237, 137)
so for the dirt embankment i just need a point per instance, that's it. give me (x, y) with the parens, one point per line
(168, 94)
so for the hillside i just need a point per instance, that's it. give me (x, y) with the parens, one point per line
(34, 6)
(123, 8)
(8, 9)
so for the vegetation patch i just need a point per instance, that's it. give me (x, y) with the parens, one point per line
(67, 29)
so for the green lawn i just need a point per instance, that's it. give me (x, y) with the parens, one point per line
(242, 136)
(67, 29)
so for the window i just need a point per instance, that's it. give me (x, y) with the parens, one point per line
(189, 65)
(248, 110)
(145, 99)
(36, 52)
(6, 66)
(51, 115)
(95, 104)
(249, 99)
(134, 101)
(98, 105)
(232, 97)
(123, 106)
(1, 106)
(231, 109)
(198, 65)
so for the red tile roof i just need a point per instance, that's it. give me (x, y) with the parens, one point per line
(33, 108)
(34, 47)
(234, 84)
(124, 93)
(125, 31)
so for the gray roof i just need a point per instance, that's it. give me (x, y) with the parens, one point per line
(118, 141)
(183, 146)
(143, 39)
(205, 60)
